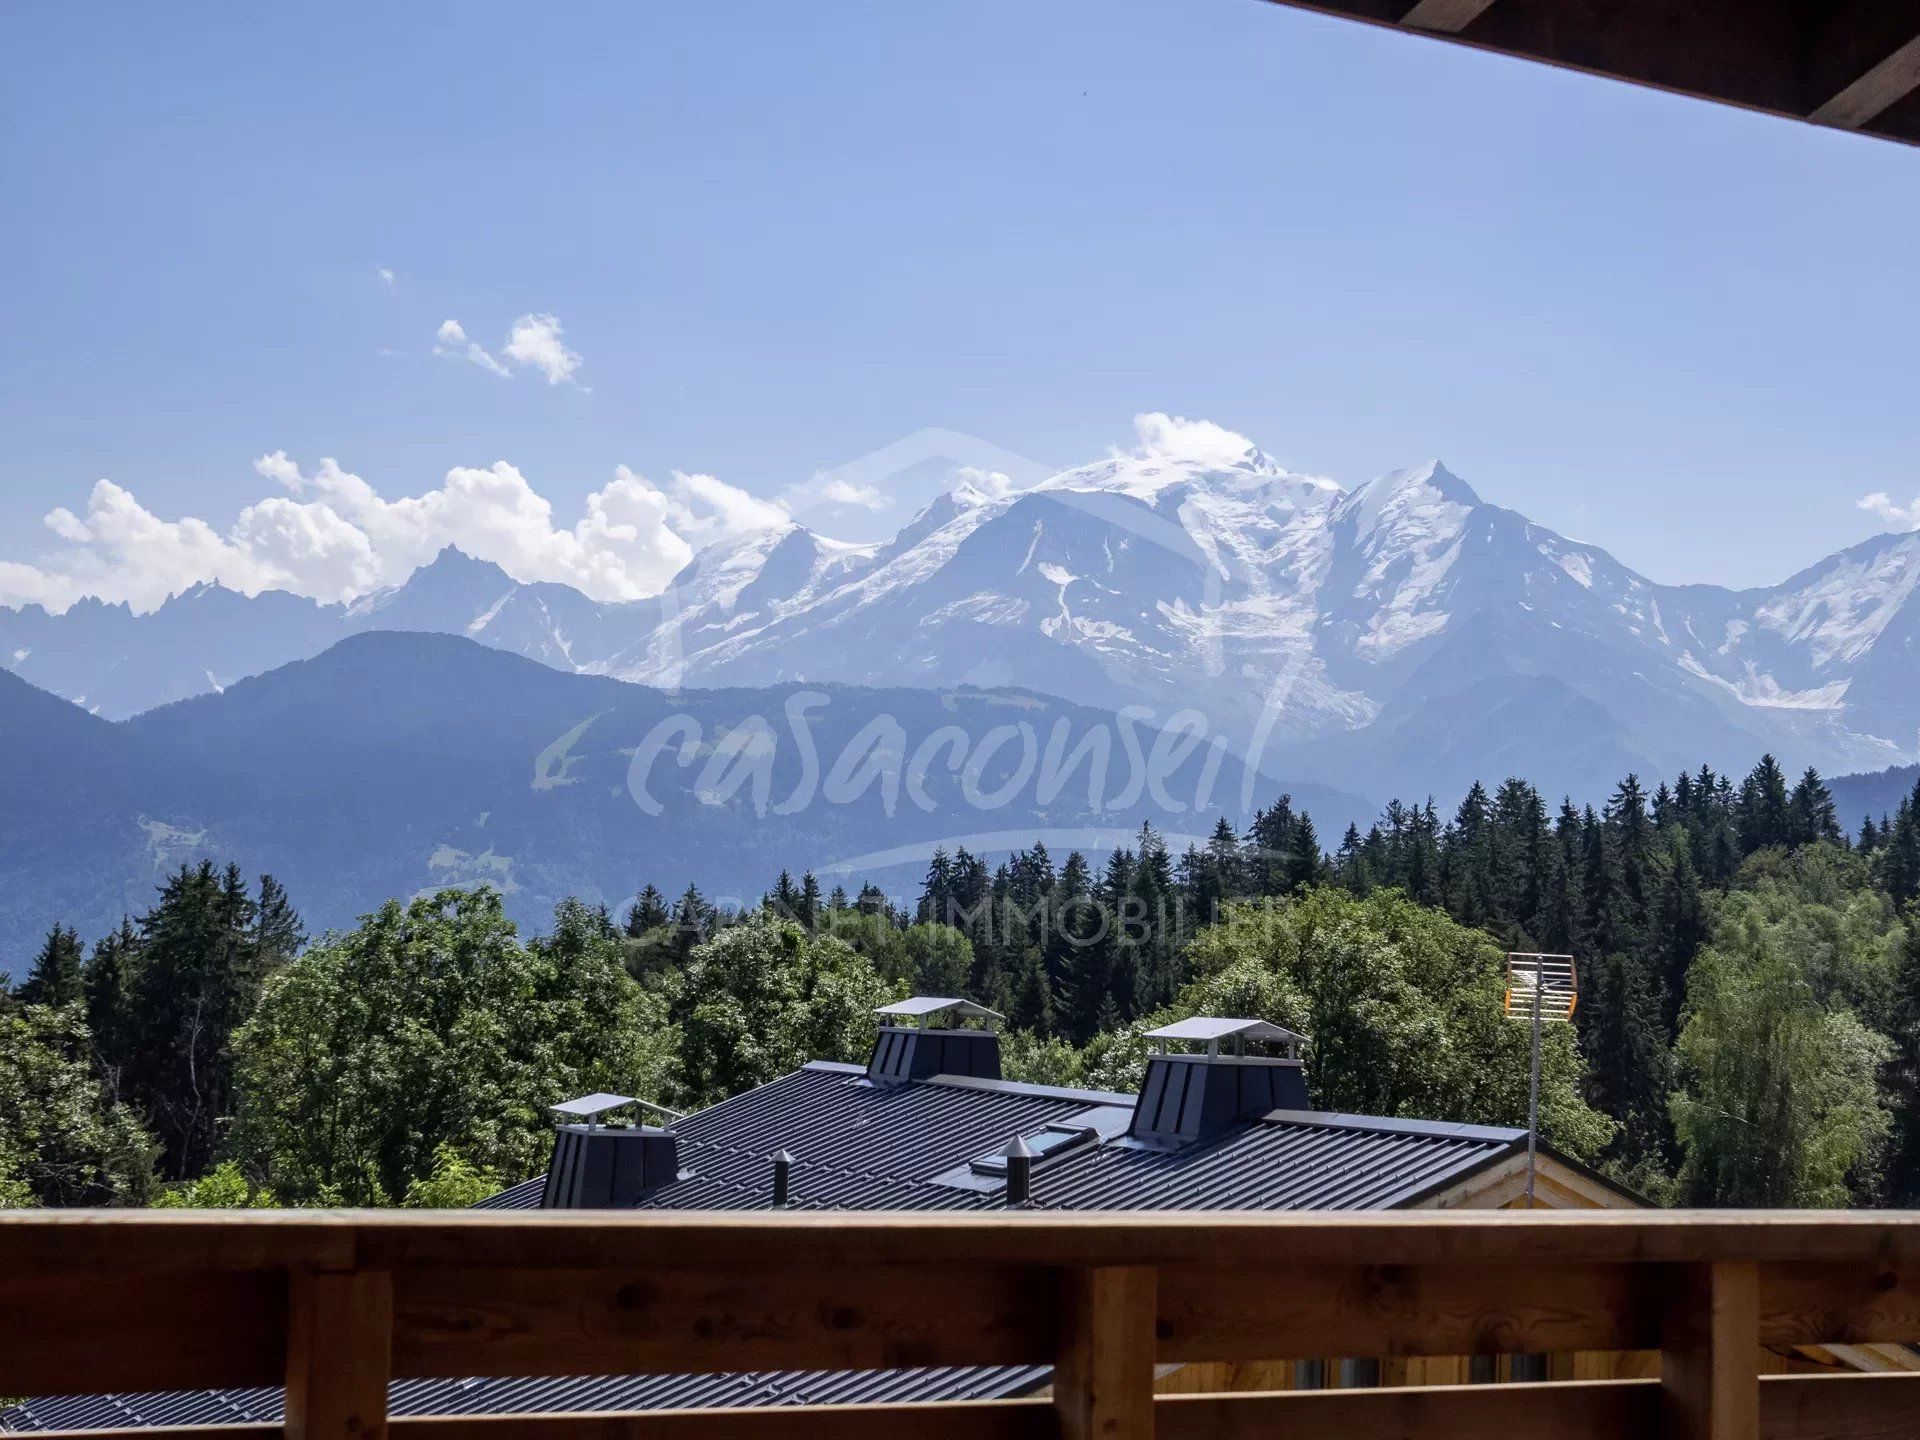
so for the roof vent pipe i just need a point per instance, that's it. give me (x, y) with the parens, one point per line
(1019, 1156)
(782, 1179)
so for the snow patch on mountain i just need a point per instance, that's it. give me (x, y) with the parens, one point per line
(1842, 610)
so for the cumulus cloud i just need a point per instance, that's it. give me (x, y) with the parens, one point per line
(978, 484)
(534, 342)
(704, 509)
(1201, 441)
(331, 535)
(845, 492)
(1894, 517)
(386, 277)
(451, 341)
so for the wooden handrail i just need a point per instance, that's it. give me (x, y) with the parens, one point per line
(335, 1304)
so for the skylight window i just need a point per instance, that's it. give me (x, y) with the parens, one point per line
(1046, 1143)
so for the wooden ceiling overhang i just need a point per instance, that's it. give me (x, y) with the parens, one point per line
(1847, 64)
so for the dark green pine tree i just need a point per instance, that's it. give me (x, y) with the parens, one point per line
(1626, 1039)
(1123, 930)
(1423, 870)
(1306, 862)
(1898, 860)
(649, 913)
(1160, 946)
(810, 903)
(936, 894)
(693, 921)
(1079, 946)
(1588, 946)
(1268, 849)
(1761, 812)
(784, 899)
(1520, 842)
(1352, 864)
(1225, 876)
(1468, 857)
(1627, 838)
(200, 973)
(1561, 922)
(1627, 1059)
(1900, 1080)
(1811, 817)
(1032, 1006)
(1679, 928)
(107, 983)
(55, 976)
(278, 934)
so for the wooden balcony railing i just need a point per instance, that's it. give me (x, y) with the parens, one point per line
(335, 1304)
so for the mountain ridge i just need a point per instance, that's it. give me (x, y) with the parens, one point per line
(395, 763)
(1298, 618)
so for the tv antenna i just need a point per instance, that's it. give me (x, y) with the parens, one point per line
(1539, 988)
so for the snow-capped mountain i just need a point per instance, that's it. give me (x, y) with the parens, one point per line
(1402, 635)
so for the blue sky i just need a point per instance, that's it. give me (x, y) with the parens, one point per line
(777, 237)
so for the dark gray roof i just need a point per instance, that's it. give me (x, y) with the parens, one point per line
(858, 1146)
(522, 1397)
(869, 1147)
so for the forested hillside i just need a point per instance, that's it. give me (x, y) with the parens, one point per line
(1748, 1031)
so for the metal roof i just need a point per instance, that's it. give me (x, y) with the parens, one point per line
(532, 1396)
(860, 1146)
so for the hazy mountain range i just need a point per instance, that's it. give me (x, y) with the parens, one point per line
(1402, 637)
(397, 763)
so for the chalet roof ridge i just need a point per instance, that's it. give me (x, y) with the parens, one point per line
(1396, 1125)
(1038, 1091)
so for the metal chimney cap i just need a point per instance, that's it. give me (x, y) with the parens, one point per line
(589, 1106)
(920, 1006)
(1208, 1027)
(783, 1158)
(1018, 1149)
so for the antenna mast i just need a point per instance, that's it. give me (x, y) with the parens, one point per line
(1539, 988)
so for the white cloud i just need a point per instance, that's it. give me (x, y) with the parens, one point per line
(332, 536)
(451, 341)
(977, 484)
(535, 342)
(846, 492)
(277, 467)
(67, 525)
(386, 277)
(1895, 517)
(1176, 438)
(705, 509)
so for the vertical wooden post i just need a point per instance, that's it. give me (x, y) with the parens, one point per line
(1103, 1375)
(339, 1355)
(1710, 1353)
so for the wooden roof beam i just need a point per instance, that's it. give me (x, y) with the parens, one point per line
(1863, 59)
(1444, 17)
